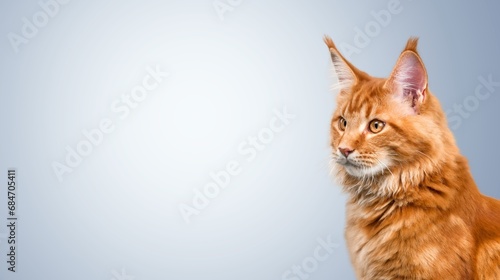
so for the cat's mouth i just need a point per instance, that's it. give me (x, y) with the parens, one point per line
(346, 162)
(358, 169)
(350, 166)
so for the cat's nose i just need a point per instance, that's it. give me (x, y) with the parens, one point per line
(346, 151)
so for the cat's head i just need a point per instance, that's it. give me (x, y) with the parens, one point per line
(386, 133)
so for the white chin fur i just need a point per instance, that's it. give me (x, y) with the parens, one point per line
(364, 172)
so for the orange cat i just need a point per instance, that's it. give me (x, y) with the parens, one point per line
(414, 211)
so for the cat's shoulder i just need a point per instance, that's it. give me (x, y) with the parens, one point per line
(488, 250)
(488, 259)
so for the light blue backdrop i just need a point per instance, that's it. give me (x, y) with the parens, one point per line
(218, 169)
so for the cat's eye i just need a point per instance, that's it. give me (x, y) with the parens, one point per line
(342, 123)
(376, 126)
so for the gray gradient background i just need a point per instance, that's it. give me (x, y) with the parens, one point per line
(119, 208)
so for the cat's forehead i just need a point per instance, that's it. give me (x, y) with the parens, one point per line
(364, 113)
(365, 101)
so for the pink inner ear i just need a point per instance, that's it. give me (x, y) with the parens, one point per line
(410, 73)
(410, 79)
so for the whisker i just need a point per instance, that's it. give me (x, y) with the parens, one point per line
(385, 166)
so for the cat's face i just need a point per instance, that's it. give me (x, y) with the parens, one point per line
(364, 134)
(371, 132)
(382, 126)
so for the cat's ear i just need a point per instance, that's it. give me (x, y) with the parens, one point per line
(347, 74)
(408, 80)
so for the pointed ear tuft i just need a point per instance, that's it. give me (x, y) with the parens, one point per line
(329, 42)
(411, 45)
(408, 80)
(346, 73)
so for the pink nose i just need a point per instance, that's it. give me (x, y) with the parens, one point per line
(345, 151)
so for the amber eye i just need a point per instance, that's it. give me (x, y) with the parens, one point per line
(342, 123)
(376, 126)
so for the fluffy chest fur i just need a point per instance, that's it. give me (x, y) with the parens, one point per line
(409, 243)
(391, 241)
